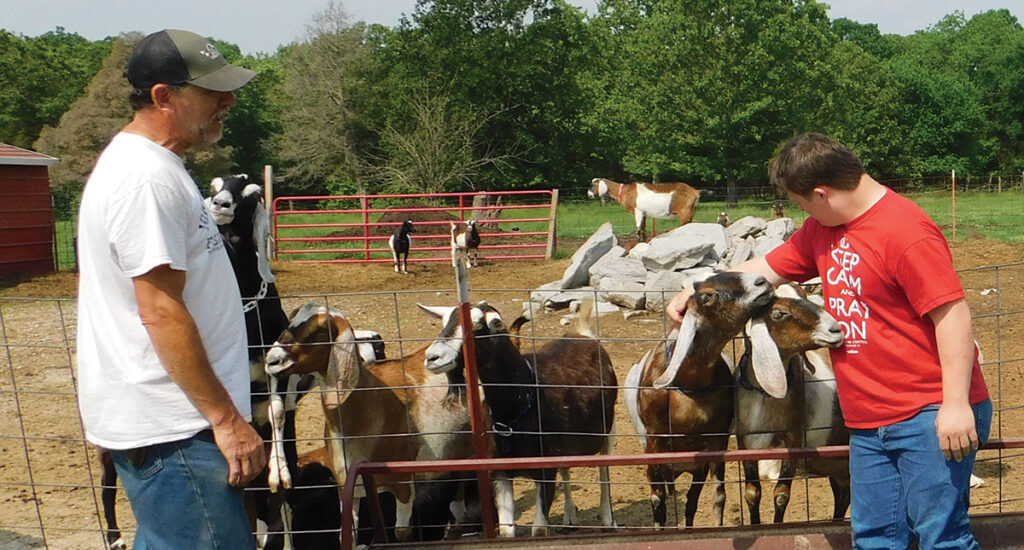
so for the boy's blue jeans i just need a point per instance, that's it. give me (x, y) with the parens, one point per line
(904, 488)
(180, 496)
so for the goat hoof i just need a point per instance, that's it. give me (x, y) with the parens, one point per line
(507, 531)
(569, 518)
(539, 531)
(403, 533)
(119, 544)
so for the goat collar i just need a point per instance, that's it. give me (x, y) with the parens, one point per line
(620, 191)
(505, 430)
(249, 305)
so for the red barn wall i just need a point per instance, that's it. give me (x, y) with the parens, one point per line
(26, 220)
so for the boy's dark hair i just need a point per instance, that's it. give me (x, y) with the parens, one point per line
(809, 160)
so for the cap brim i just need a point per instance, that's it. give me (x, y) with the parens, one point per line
(225, 79)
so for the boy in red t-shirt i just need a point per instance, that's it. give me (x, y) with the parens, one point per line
(908, 377)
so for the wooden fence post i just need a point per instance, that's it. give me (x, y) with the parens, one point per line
(953, 186)
(268, 194)
(552, 226)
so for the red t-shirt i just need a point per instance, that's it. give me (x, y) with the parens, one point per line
(881, 274)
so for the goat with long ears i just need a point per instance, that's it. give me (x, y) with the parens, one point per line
(786, 397)
(691, 393)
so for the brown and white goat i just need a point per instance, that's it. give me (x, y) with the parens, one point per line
(465, 243)
(787, 398)
(389, 410)
(557, 399)
(685, 402)
(663, 201)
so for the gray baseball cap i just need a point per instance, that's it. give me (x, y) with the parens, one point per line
(178, 57)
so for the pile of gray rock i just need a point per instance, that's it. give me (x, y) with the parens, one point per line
(649, 274)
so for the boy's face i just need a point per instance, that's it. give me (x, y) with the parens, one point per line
(817, 206)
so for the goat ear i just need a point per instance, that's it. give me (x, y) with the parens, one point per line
(342, 369)
(216, 184)
(816, 362)
(252, 189)
(768, 368)
(436, 311)
(684, 340)
(261, 236)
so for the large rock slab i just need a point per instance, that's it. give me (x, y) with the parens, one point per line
(623, 292)
(578, 272)
(661, 286)
(630, 269)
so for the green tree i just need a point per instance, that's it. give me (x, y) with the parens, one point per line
(706, 89)
(318, 140)
(41, 78)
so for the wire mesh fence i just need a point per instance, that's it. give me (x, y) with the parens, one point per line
(50, 478)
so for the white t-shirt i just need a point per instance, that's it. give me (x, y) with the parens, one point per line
(141, 209)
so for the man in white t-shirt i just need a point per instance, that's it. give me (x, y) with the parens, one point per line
(162, 359)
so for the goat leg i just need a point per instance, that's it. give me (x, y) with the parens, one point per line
(782, 489)
(700, 475)
(108, 495)
(718, 507)
(659, 492)
(840, 496)
(545, 482)
(607, 518)
(506, 504)
(752, 494)
(569, 516)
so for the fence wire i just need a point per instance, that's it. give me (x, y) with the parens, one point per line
(50, 480)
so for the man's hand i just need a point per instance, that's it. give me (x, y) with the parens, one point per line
(954, 425)
(242, 447)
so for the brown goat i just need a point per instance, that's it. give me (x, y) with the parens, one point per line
(393, 397)
(783, 400)
(691, 394)
(663, 201)
(557, 399)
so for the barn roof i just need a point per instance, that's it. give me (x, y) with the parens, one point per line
(11, 155)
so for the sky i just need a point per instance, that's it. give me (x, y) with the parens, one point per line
(262, 25)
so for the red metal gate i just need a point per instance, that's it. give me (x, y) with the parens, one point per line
(356, 228)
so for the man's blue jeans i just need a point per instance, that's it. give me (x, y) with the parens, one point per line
(180, 496)
(904, 488)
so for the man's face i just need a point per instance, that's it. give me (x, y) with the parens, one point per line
(201, 114)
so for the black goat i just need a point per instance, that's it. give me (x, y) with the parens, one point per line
(558, 399)
(400, 243)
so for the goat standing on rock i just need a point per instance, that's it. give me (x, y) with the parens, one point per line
(400, 243)
(664, 201)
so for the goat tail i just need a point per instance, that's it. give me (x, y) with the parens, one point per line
(632, 397)
(586, 319)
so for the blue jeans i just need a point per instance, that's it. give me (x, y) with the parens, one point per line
(180, 496)
(903, 487)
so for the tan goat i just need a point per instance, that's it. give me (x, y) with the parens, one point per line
(663, 201)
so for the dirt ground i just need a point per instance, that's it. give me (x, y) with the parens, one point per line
(48, 475)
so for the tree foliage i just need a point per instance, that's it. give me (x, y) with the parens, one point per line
(505, 94)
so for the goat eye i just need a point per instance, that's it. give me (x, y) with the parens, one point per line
(778, 315)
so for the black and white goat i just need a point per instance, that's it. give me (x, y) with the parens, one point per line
(786, 397)
(558, 399)
(400, 243)
(465, 243)
(681, 399)
(237, 206)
